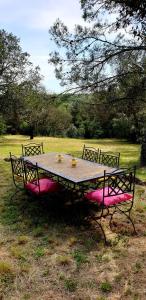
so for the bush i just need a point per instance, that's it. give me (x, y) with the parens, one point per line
(121, 126)
(24, 127)
(72, 131)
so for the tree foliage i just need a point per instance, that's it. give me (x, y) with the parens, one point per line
(128, 12)
(13, 61)
(91, 53)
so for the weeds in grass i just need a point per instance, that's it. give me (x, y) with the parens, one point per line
(80, 257)
(106, 287)
(102, 258)
(61, 276)
(70, 284)
(89, 243)
(39, 252)
(98, 258)
(10, 215)
(63, 260)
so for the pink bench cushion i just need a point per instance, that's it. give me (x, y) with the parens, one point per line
(97, 196)
(46, 185)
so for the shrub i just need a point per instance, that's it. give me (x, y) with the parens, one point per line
(24, 128)
(72, 131)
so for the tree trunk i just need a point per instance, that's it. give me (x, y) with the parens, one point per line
(31, 133)
(143, 155)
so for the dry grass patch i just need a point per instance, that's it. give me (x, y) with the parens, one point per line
(5, 268)
(23, 239)
(63, 260)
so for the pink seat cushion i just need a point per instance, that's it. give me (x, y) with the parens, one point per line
(97, 196)
(46, 185)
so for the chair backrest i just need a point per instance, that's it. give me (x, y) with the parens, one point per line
(119, 182)
(17, 170)
(109, 159)
(90, 154)
(32, 149)
(31, 171)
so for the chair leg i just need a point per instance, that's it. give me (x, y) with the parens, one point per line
(127, 214)
(134, 229)
(101, 227)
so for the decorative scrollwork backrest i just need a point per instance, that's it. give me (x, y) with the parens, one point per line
(119, 182)
(32, 149)
(17, 169)
(31, 173)
(90, 154)
(109, 159)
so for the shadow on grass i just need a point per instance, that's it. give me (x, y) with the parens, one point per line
(26, 216)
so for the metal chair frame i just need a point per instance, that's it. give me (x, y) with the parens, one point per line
(33, 174)
(32, 149)
(90, 154)
(110, 159)
(17, 173)
(116, 183)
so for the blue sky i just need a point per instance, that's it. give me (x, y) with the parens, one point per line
(30, 20)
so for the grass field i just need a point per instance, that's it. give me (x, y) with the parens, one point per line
(46, 254)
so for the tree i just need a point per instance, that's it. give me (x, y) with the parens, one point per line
(89, 62)
(13, 62)
(91, 54)
(127, 12)
(18, 81)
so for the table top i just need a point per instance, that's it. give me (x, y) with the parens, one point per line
(83, 171)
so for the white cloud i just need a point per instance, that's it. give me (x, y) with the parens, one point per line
(38, 14)
(49, 80)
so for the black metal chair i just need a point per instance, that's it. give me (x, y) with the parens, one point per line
(90, 154)
(32, 149)
(17, 173)
(35, 184)
(110, 159)
(115, 196)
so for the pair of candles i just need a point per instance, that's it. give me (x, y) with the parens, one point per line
(73, 161)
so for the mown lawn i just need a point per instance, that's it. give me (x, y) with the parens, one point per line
(48, 253)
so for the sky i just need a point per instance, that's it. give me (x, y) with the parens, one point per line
(30, 21)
